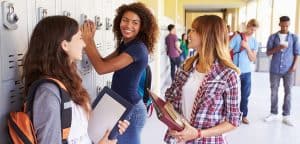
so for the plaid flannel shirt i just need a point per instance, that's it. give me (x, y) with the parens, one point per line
(216, 101)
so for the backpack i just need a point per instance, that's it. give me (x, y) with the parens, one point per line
(146, 98)
(20, 126)
(232, 53)
(144, 84)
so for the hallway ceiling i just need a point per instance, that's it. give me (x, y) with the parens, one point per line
(210, 7)
(215, 5)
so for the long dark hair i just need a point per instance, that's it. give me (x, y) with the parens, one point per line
(182, 38)
(46, 58)
(149, 28)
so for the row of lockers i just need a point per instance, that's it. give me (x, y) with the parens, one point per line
(18, 18)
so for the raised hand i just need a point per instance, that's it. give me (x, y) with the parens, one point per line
(88, 30)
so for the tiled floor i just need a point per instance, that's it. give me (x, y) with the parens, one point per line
(257, 132)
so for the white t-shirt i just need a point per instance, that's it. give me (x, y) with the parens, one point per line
(189, 92)
(283, 41)
(78, 132)
(282, 38)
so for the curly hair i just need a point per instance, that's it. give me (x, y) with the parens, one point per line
(46, 58)
(149, 29)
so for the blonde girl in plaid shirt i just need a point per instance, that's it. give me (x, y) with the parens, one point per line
(215, 109)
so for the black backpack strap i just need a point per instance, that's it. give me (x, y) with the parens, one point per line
(65, 106)
(147, 84)
(66, 116)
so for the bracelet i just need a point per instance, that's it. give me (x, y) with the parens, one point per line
(199, 133)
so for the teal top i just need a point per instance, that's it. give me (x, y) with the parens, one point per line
(184, 47)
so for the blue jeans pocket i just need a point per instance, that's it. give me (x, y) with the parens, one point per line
(139, 115)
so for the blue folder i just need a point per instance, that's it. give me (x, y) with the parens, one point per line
(112, 105)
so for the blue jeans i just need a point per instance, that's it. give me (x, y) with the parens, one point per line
(287, 83)
(175, 63)
(137, 121)
(245, 92)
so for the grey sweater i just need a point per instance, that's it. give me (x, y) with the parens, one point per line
(46, 114)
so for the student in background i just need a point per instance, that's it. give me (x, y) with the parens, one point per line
(136, 31)
(54, 46)
(244, 59)
(205, 91)
(183, 46)
(284, 46)
(173, 49)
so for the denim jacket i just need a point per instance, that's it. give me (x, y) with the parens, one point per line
(282, 61)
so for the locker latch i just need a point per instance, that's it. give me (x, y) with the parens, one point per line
(83, 18)
(108, 25)
(98, 23)
(10, 18)
(42, 13)
(66, 13)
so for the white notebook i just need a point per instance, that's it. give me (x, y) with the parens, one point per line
(108, 109)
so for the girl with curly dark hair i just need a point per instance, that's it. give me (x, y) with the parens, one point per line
(136, 31)
(55, 44)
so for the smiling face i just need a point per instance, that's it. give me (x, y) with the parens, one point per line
(194, 39)
(74, 47)
(130, 26)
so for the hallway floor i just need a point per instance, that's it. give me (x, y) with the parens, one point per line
(258, 131)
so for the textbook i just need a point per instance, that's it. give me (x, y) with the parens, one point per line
(166, 113)
(108, 109)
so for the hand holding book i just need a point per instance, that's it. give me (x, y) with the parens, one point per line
(166, 113)
(187, 134)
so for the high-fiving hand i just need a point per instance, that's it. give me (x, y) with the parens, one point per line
(88, 30)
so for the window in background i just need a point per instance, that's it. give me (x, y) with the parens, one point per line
(251, 10)
(281, 8)
(264, 13)
(229, 19)
(242, 18)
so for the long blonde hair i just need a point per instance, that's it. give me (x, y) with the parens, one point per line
(213, 44)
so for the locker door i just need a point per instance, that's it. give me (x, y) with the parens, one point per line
(109, 41)
(67, 8)
(44, 8)
(86, 10)
(100, 12)
(13, 43)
